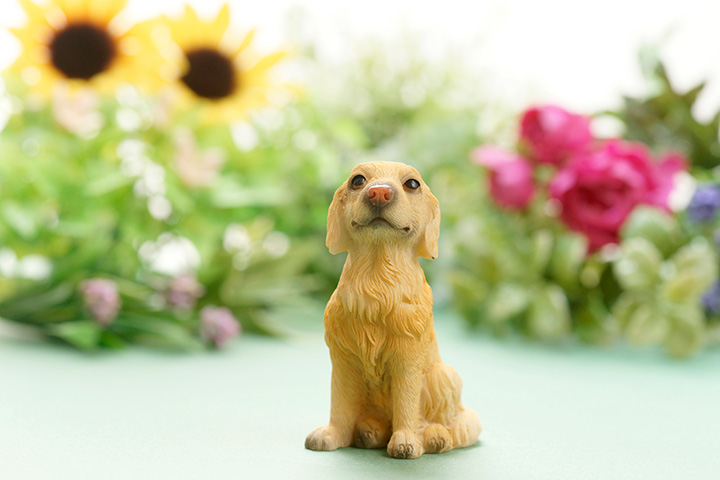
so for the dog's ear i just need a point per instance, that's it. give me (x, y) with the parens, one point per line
(338, 238)
(427, 246)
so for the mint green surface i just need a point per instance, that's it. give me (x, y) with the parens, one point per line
(564, 413)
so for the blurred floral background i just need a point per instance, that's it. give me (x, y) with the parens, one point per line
(165, 175)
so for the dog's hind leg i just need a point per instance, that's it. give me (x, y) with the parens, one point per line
(437, 439)
(442, 409)
(372, 433)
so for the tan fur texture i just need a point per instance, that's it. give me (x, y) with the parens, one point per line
(389, 386)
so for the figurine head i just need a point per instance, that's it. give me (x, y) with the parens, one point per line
(384, 203)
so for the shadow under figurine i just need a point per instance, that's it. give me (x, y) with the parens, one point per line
(389, 385)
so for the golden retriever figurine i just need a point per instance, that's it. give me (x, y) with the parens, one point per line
(389, 385)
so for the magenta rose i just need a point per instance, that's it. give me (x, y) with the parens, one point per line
(511, 176)
(598, 190)
(551, 134)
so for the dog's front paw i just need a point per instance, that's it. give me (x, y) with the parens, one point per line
(405, 444)
(323, 438)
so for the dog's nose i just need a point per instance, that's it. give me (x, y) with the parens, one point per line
(380, 194)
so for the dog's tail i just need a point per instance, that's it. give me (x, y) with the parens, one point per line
(440, 403)
(466, 429)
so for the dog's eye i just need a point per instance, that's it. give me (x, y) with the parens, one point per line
(412, 184)
(358, 181)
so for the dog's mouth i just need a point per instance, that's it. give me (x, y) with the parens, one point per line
(380, 222)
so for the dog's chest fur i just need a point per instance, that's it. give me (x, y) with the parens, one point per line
(378, 304)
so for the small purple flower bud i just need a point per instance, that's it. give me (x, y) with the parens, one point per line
(711, 299)
(102, 299)
(704, 204)
(218, 325)
(184, 291)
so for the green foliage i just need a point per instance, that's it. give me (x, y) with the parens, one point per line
(117, 204)
(658, 228)
(664, 117)
(506, 279)
(661, 299)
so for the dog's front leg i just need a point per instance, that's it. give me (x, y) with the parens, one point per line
(346, 401)
(405, 385)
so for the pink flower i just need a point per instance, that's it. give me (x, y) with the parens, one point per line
(77, 111)
(598, 190)
(196, 168)
(218, 325)
(511, 176)
(552, 134)
(102, 299)
(184, 291)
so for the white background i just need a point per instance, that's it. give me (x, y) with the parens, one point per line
(580, 54)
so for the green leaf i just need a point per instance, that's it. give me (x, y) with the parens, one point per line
(592, 272)
(348, 131)
(684, 287)
(687, 331)
(663, 118)
(20, 219)
(568, 257)
(107, 184)
(112, 341)
(505, 302)
(696, 256)
(469, 295)
(28, 303)
(638, 265)
(542, 247)
(655, 226)
(646, 326)
(626, 304)
(549, 313)
(691, 95)
(594, 323)
(83, 334)
(159, 330)
(690, 272)
(235, 196)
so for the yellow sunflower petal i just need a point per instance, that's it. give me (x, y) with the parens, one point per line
(264, 64)
(191, 32)
(222, 20)
(99, 12)
(245, 43)
(74, 10)
(183, 29)
(34, 13)
(105, 10)
(26, 36)
(141, 61)
(191, 15)
(228, 111)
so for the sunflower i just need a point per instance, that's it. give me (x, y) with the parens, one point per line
(226, 79)
(76, 41)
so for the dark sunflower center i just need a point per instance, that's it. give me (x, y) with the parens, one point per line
(210, 74)
(82, 50)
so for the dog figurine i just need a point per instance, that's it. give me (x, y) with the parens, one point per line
(389, 386)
